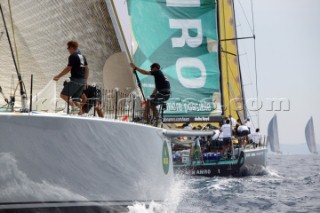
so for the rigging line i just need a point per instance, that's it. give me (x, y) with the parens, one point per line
(237, 86)
(255, 61)
(228, 52)
(238, 61)
(234, 97)
(230, 68)
(240, 38)
(251, 28)
(237, 105)
(246, 110)
(22, 92)
(13, 34)
(248, 69)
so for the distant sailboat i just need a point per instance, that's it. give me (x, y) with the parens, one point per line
(310, 137)
(273, 135)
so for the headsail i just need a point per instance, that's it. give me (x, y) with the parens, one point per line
(233, 100)
(182, 37)
(117, 74)
(45, 99)
(273, 135)
(310, 137)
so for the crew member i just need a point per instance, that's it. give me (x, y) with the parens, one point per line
(160, 93)
(91, 96)
(226, 133)
(255, 137)
(78, 66)
(243, 130)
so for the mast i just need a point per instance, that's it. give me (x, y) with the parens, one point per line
(219, 56)
(227, 60)
(21, 84)
(255, 59)
(240, 74)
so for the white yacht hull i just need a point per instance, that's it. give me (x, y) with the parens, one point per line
(255, 161)
(52, 161)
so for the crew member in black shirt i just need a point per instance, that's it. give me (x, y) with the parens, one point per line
(78, 66)
(160, 94)
(91, 96)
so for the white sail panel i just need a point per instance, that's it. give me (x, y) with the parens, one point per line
(274, 135)
(41, 30)
(310, 136)
(45, 100)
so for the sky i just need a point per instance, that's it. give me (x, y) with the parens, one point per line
(287, 54)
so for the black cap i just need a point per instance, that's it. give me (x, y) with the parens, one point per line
(155, 65)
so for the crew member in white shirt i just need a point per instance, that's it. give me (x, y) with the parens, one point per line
(226, 129)
(233, 121)
(249, 125)
(243, 130)
(226, 135)
(256, 137)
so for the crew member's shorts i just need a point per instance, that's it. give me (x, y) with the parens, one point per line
(244, 133)
(160, 97)
(93, 97)
(226, 141)
(73, 88)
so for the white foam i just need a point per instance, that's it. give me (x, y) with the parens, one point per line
(173, 198)
(17, 185)
(221, 184)
(273, 173)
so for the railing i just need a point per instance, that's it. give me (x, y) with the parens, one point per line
(120, 105)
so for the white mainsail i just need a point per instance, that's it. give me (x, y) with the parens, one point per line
(310, 137)
(41, 29)
(274, 135)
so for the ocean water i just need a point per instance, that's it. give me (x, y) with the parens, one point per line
(290, 183)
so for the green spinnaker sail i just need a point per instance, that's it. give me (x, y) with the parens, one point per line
(182, 37)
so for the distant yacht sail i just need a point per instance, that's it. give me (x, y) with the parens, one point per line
(310, 137)
(273, 135)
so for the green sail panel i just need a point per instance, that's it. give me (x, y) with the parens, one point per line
(182, 37)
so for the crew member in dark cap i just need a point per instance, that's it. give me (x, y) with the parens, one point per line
(160, 94)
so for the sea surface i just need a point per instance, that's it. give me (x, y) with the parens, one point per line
(291, 183)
